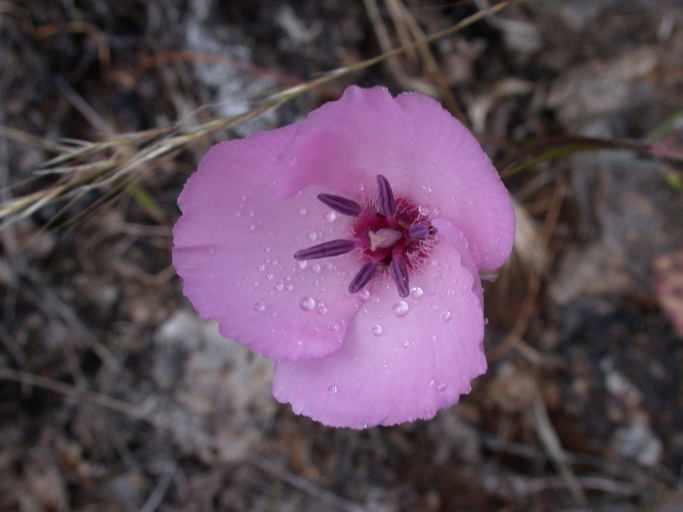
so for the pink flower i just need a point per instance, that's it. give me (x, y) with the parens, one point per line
(347, 248)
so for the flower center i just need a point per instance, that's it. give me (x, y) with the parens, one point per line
(393, 236)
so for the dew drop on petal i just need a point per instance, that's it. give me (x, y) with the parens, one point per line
(312, 236)
(401, 308)
(486, 321)
(417, 292)
(322, 309)
(446, 316)
(303, 264)
(307, 303)
(385, 363)
(332, 389)
(330, 216)
(252, 227)
(260, 307)
(302, 211)
(269, 276)
(442, 386)
(316, 268)
(405, 344)
(364, 295)
(377, 330)
(262, 266)
(279, 286)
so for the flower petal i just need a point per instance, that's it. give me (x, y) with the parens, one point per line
(402, 360)
(426, 154)
(234, 248)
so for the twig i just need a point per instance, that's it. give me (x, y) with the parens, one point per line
(528, 307)
(154, 499)
(552, 444)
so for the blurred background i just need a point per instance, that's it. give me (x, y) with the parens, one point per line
(115, 396)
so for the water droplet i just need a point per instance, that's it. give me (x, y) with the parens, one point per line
(486, 321)
(303, 264)
(269, 276)
(442, 386)
(279, 286)
(302, 211)
(316, 268)
(364, 295)
(262, 266)
(330, 216)
(289, 287)
(446, 316)
(267, 248)
(238, 214)
(307, 303)
(260, 307)
(252, 227)
(417, 292)
(406, 344)
(377, 330)
(401, 308)
(424, 210)
(434, 338)
(252, 214)
(322, 309)
(385, 363)
(312, 236)
(332, 389)
(334, 326)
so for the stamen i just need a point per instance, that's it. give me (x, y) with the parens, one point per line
(384, 238)
(363, 277)
(340, 204)
(399, 271)
(326, 249)
(387, 203)
(419, 230)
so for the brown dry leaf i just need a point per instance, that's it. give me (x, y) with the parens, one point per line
(669, 287)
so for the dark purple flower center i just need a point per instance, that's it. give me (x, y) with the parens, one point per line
(393, 236)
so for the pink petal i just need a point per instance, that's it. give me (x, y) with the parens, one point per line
(234, 248)
(398, 365)
(427, 155)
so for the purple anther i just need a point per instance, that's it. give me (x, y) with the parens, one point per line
(363, 277)
(419, 230)
(326, 249)
(399, 271)
(340, 204)
(387, 203)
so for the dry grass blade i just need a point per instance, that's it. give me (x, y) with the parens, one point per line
(152, 145)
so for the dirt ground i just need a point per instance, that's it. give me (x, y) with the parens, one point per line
(116, 396)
